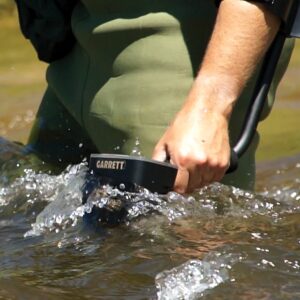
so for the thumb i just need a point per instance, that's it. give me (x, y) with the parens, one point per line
(160, 153)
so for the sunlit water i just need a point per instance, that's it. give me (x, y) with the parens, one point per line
(218, 243)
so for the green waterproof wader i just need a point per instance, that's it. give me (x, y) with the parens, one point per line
(127, 76)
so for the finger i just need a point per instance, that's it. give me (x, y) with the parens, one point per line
(202, 176)
(212, 173)
(199, 176)
(219, 175)
(159, 153)
(181, 181)
(208, 176)
(221, 171)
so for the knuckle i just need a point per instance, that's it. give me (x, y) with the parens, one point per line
(183, 159)
(214, 163)
(186, 157)
(224, 164)
(220, 164)
(201, 159)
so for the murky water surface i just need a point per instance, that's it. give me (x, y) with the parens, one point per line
(218, 243)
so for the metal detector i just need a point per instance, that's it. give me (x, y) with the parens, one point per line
(159, 177)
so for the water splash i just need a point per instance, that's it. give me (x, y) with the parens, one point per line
(136, 151)
(190, 280)
(121, 206)
(64, 202)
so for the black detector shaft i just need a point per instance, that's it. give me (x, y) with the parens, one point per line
(257, 102)
(256, 105)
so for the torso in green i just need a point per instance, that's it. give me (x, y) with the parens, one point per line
(132, 68)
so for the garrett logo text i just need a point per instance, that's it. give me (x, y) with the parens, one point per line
(111, 164)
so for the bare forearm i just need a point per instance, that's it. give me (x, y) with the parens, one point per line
(242, 34)
(197, 141)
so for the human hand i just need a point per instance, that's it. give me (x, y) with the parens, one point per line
(197, 143)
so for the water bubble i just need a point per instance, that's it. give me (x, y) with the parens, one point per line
(266, 263)
(136, 151)
(294, 194)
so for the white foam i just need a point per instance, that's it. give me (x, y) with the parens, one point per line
(190, 280)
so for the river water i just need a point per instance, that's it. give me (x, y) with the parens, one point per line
(218, 243)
